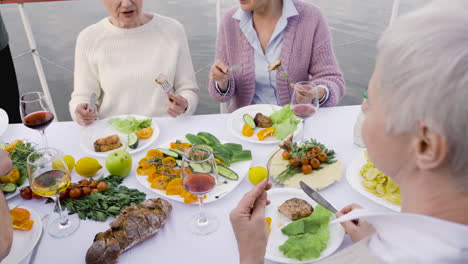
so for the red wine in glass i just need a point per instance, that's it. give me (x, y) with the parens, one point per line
(199, 183)
(38, 120)
(304, 110)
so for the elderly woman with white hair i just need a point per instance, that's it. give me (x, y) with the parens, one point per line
(120, 57)
(416, 130)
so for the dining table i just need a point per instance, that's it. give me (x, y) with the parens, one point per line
(174, 243)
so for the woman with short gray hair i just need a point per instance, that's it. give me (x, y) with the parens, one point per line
(416, 131)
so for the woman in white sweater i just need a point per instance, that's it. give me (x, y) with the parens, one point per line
(119, 59)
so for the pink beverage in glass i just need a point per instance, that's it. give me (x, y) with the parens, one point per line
(304, 110)
(199, 183)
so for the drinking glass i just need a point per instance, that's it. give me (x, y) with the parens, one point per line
(35, 112)
(199, 177)
(304, 103)
(48, 177)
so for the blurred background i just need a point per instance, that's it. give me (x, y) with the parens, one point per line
(355, 26)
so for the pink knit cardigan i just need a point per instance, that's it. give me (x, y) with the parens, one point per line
(306, 54)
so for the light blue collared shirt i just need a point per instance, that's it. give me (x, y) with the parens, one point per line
(265, 81)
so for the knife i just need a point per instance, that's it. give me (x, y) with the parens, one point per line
(92, 102)
(317, 197)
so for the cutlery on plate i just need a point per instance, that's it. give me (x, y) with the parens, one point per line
(92, 102)
(44, 221)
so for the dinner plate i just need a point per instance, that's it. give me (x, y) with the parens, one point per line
(278, 196)
(224, 186)
(102, 128)
(18, 188)
(353, 175)
(235, 122)
(24, 241)
(3, 121)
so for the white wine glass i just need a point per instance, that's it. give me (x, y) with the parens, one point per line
(49, 176)
(199, 177)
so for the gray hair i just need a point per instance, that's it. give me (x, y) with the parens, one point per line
(423, 60)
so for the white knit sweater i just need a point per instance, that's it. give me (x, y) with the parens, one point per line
(120, 66)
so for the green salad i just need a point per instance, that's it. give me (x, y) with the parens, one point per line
(284, 122)
(130, 124)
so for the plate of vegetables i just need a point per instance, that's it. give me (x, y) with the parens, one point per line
(263, 123)
(131, 132)
(310, 162)
(300, 229)
(369, 181)
(160, 170)
(12, 182)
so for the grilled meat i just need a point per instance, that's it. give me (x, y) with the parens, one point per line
(262, 121)
(296, 209)
(135, 224)
(107, 143)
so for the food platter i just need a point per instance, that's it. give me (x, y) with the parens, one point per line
(224, 187)
(279, 195)
(102, 128)
(24, 241)
(235, 122)
(354, 179)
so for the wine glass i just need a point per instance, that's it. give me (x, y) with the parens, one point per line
(36, 112)
(199, 177)
(304, 103)
(48, 177)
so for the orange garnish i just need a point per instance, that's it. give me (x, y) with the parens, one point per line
(145, 133)
(266, 132)
(247, 131)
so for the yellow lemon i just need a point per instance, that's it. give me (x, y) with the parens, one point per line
(87, 167)
(58, 165)
(257, 174)
(70, 161)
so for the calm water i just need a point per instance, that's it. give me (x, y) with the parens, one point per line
(355, 26)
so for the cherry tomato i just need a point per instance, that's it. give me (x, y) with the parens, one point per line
(323, 157)
(86, 190)
(306, 169)
(83, 182)
(304, 160)
(75, 193)
(315, 163)
(26, 193)
(286, 155)
(316, 149)
(294, 162)
(310, 155)
(94, 190)
(93, 183)
(35, 196)
(65, 193)
(102, 186)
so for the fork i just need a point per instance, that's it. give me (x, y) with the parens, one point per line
(161, 80)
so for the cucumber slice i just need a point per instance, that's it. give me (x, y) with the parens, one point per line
(200, 167)
(8, 187)
(179, 152)
(241, 156)
(233, 146)
(179, 162)
(209, 138)
(227, 173)
(249, 121)
(133, 141)
(169, 153)
(194, 140)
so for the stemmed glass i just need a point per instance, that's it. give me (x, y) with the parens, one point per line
(304, 103)
(199, 177)
(36, 112)
(48, 177)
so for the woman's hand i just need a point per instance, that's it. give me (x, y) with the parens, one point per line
(219, 73)
(176, 104)
(5, 162)
(249, 224)
(85, 116)
(321, 91)
(355, 229)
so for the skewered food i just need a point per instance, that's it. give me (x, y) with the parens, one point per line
(107, 143)
(296, 208)
(274, 66)
(135, 224)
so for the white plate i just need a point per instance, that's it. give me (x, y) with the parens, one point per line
(24, 241)
(235, 122)
(278, 196)
(102, 128)
(3, 121)
(353, 175)
(221, 190)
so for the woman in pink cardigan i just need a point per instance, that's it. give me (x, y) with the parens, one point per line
(260, 32)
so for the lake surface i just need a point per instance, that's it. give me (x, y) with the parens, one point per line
(355, 26)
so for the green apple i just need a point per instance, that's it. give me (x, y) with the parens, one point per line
(119, 163)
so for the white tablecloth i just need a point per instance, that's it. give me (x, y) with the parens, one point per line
(174, 244)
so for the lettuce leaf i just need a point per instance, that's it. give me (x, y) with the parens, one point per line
(284, 121)
(308, 237)
(130, 124)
